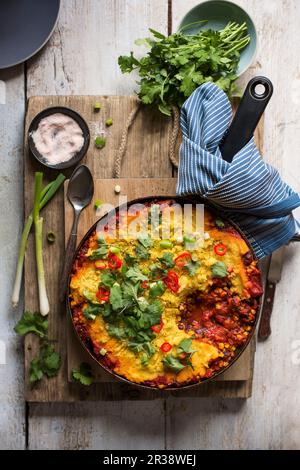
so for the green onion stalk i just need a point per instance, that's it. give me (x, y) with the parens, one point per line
(46, 194)
(38, 225)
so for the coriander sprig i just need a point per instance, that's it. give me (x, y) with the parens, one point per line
(177, 64)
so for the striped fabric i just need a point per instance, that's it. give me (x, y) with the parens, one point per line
(249, 191)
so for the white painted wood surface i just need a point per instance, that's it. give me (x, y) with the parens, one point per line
(82, 58)
(12, 407)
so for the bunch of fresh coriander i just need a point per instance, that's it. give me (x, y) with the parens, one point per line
(177, 64)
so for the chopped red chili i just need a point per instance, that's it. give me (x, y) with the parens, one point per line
(183, 259)
(100, 264)
(166, 347)
(172, 281)
(220, 249)
(157, 328)
(114, 262)
(103, 294)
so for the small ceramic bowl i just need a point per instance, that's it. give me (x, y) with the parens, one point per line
(80, 121)
(218, 13)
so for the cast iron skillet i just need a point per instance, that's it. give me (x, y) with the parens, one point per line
(180, 200)
(240, 131)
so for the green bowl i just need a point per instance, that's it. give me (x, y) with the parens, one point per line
(218, 13)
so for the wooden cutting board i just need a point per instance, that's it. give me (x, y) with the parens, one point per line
(146, 157)
(131, 188)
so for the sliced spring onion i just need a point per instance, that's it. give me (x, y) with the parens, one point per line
(51, 237)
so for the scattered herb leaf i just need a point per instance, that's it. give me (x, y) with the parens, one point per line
(135, 274)
(99, 253)
(167, 260)
(157, 289)
(32, 323)
(171, 362)
(219, 269)
(84, 374)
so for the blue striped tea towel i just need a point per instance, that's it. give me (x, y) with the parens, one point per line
(249, 191)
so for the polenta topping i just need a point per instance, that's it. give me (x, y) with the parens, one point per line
(164, 311)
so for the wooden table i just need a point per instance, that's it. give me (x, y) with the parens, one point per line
(81, 58)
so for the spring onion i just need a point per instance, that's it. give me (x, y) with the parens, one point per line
(38, 225)
(46, 194)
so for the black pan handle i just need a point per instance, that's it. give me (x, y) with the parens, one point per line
(247, 116)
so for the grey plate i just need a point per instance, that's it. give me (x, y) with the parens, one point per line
(25, 27)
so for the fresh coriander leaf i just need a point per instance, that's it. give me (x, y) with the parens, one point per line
(150, 350)
(99, 253)
(107, 312)
(142, 252)
(130, 292)
(91, 311)
(151, 316)
(129, 259)
(171, 362)
(157, 271)
(32, 323)
(167, 260)
(50, 360)
(156, 34)
(135, 346)
(219, 269)
(135, 275)
(108, 278)
(146, 242)
(115, 297)
(185, 346)
(128, 63)
(157, 289)
(116, 331)
(177, 64)
(192, 267)
(144, 360)
(35, 371)
(84, 374)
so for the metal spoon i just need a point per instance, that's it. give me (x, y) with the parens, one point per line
(80, 193)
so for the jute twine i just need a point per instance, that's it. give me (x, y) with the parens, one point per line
(173, 134)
